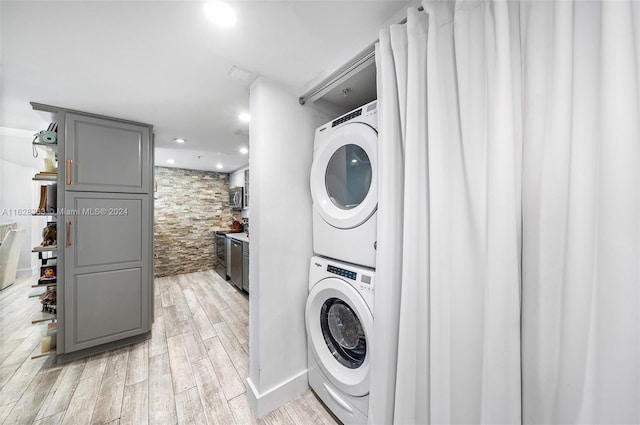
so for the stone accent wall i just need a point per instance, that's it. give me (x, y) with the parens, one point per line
(189, 206)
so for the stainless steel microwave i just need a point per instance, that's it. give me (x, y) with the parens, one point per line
(236, 198)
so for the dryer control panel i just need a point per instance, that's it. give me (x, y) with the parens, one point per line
(347, 117)
(367, 114)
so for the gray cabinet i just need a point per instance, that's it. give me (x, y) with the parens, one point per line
(105, 235)
(107, 268)
(245, 266)
(227, 251)
(104, 155)
(246, 188)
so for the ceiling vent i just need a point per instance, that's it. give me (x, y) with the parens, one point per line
(241, 74)
(241, 132)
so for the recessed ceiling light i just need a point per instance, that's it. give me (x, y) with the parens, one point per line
(218, 166)
(220, 13)
(178, 140)
(244, 117)
(244, 150)
(354, 160)
(171, 161)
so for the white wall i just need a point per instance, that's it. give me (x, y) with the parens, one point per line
(281, 137)
(18, 191)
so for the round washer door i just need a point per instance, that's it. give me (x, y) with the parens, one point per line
(344, 180)
(339, 326)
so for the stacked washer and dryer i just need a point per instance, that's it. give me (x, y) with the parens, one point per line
(339, 311)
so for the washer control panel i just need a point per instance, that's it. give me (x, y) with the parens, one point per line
(362, 279)
(365, 285)
(342, 272)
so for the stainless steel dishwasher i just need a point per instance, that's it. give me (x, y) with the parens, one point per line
(236, 263)
(227, 245)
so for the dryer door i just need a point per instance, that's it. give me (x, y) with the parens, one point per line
(339, 326)
(344, 176)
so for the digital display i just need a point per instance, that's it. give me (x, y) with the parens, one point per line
(342, 272)
(365, 279)
(347, 117)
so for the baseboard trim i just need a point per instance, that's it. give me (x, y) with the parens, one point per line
(33, 271)
(268, 401)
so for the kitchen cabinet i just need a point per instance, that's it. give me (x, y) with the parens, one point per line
(227, 251)
(246, 189)
(108, 277)
(245, 266)
(105, 155)
(104, 231)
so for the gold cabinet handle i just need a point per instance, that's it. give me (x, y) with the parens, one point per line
(69, 233)
(69, 163)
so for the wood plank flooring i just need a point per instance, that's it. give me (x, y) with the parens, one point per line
(192, 371)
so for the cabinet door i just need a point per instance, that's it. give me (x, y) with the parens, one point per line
(105, 155)
(245, 272)
(107, 268)
(236, 263)
(246, 189)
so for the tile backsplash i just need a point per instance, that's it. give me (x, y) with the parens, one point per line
(189, 206)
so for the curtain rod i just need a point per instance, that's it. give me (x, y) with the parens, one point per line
(351, 68)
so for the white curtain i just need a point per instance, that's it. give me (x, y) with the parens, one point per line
(581, 192)
(447, 307)
(509, 155)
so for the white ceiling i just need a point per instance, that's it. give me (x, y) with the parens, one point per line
(165, 64)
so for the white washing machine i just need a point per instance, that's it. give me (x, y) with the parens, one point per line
(344, 187)
(339, 323)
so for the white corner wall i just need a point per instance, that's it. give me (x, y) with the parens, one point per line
(281, 138)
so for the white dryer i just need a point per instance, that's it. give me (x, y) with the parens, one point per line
(339, 323)
(344, 187)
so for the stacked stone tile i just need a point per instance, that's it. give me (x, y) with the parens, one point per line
(189, 206)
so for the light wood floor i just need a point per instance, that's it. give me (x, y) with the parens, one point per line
(192, 370)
